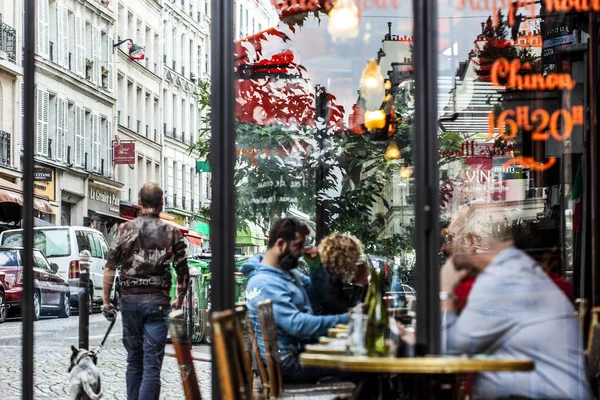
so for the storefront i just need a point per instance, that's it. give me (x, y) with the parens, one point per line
(103, 207)
(510, 147)
(44, 184)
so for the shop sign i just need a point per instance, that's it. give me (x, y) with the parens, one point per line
(542, 124)
(103, 200)
(43, 182)
(42, 174)
(558, 41)
(179, 220)
(124, 153)
(129, 211)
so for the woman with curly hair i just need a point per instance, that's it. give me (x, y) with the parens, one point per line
(342, 257)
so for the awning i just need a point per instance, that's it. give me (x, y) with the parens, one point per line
(111, 216)
(194, 238)
(251, 235)
(13, 193)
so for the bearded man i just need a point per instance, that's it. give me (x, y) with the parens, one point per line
(274, 277)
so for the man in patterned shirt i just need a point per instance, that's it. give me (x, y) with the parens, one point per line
(145, 248)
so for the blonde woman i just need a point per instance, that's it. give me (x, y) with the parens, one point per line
(346, 265)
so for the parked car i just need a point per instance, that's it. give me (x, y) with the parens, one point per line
(51, 291)
(3, 305)
(409, 292)
(61, 245)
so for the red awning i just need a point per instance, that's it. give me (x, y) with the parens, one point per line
(194, 238)
(13, 193)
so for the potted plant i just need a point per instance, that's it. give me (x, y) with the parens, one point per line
(105, 2)
(193, 77)
(89, 64)
(105, 71)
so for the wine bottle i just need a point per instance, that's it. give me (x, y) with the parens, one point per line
(377, 320)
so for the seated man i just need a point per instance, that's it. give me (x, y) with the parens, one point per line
(274, 277)
(515, 311)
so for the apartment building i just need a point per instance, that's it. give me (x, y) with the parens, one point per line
(253, 16)
(186, 63)
(138, 87)
(75, 108)
(11, 71)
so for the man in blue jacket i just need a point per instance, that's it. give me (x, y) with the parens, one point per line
(274, 277)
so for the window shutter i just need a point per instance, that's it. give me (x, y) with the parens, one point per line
(22, 116)
(79, 46)
(46, 115)
(62, 16)
(40, 119)
(43, 43)
(109, 149)
(79, 136)
(95, 52)
(61, 129)
(110, 63)
(96, 145)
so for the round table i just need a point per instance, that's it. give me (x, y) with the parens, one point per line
(417, 365)
(436, 378)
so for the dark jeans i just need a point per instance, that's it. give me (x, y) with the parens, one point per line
(145, 330)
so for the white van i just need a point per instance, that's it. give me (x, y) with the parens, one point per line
(61, 245)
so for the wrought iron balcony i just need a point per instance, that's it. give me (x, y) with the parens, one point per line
(8, 41)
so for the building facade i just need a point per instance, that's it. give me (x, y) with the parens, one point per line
(75, 110)
(109, 73)
(11, 71)
(138, 87)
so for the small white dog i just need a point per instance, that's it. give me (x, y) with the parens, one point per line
(84, 383)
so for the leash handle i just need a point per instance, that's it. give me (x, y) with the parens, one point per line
(108, 331)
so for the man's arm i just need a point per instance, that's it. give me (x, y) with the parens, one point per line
(113, 258)
(300, 325)
(107, 282)
(181, 267)
(317, 286)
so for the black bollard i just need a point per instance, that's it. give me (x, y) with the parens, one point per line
(84, 299)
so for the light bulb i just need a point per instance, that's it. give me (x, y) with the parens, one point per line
(374, 120)
(343, 20)
(392, 152)
(372, 86)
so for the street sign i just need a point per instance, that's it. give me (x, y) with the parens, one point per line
(124, 153)
(202, 166)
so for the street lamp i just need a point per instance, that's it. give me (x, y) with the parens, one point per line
(136, 51)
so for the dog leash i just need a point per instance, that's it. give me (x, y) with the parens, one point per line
(95, 353)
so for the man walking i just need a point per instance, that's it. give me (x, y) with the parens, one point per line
(145, 247)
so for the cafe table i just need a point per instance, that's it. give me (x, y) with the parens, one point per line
(431, 377)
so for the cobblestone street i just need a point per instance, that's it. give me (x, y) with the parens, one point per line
(53, 340)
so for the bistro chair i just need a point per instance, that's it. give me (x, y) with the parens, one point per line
(330, 390)
(260, 365)
(231, 356)
(240, 313)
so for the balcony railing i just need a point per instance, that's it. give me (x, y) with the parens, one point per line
(8, 41)
(5, 148)
(183, 203)
(175, 200)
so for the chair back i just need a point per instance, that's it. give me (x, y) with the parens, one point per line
(269, 334)
(230, 352)
(240, 313)
(260, 365)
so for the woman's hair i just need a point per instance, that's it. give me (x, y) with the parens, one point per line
(340, 254)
